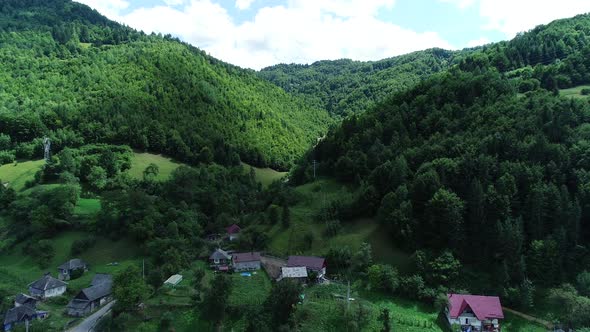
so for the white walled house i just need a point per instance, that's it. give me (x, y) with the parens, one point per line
(47, 287)
(246, 261)
(474, 313)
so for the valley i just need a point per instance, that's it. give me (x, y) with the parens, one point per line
(432, 191)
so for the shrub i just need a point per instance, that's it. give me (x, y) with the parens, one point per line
(81, 245)
(585, 91)
(332, 228)
(6, 157)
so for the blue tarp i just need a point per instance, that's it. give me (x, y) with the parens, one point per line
(246, 274)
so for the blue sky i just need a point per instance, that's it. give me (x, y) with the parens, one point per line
(259, 33)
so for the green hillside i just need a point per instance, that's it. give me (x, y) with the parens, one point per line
(345, 87)
(89, 80)
(17, 174)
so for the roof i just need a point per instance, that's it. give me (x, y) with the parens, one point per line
(243, 257)
(294, 272)
(174, 280)
(483, 307)
(18, 314)
(233, 229)
(24, 298)
(47, 282)
(96, 292)
(310, 262)
(220, 254)
(99, 278)
(73, 264)
(78, 304)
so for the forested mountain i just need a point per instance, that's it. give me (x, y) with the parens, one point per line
(464, 162)
(69, 73)
(345, 87)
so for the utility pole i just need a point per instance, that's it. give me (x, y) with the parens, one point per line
(314, 163)
(348, 296)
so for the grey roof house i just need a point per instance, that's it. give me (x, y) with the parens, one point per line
(24, 299)
(220, 260)
(246, 261)
(93, 297)
(312, 263)
(65, 270)
(20, 315)
(47, 286)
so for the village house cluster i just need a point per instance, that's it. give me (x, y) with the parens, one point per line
(86, 301)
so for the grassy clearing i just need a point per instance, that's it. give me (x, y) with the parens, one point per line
(313, 197)
(514, 323)
(17, 174)
(265, 176)
(142, 160)
(87, 207)
(324, 312)
(575, 92)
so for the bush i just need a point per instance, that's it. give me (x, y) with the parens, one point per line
(81, 245)
(585, 92)
(77, 273)
(332, 228)
(58, 300)
(6, 157)
(41, 251)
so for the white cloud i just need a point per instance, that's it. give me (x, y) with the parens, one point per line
(302, 31)
(511, 16)
(243, 4)
(478, 42)
(460, 3)
(174, 2)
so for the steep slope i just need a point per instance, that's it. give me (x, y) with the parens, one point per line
(69, 73)
(345, 87)
(461, 162)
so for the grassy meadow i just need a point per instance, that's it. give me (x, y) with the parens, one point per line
(575, 92)
(18, 173)
(142, 160)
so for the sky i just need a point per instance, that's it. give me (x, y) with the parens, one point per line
(260, 33)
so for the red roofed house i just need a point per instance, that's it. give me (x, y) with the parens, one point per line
(475, 313)
(315, 264)
(246, 261)
(233, 232)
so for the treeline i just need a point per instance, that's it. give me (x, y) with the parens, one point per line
(345, 87)
(461, 162)
(86, 80)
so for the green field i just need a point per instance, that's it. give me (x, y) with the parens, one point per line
(575, 92)
(87, 207)
(17, 174)
(142, 160)
(313, 197)
(265, 176)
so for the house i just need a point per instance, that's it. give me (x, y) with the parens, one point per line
(47, 286)
(246, 261)
(297, 273)
(24, 299)
(66, 269)
(312, 263)
(233, 232)
(475, 313)
(220, 260)
(21, 315)
(93, 297)
(173, 280)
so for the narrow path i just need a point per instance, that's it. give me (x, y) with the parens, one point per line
(545, 323)
(88, 324)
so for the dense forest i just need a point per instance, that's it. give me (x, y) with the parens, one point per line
(70, 74)
(345, 87)
(464, 162)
